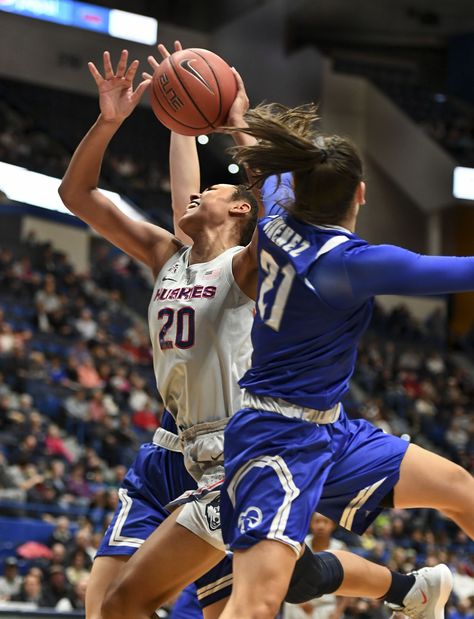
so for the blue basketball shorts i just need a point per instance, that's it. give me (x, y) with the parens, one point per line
(187, 605)
(280, 470)
(155, 478)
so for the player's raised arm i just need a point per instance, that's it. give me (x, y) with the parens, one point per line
(236, 119)
(245, 262)
(117, 97)
(185, 177)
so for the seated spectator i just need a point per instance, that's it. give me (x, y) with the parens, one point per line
(76, 407)
(56, 475)
(97, 410)
(62, 532)
(138, 395)
(145, 419)
(59, 554)
(56, 371)
(57, 588)
(29, 450)
(10, 582)
(79, 596)
(83, 541)
(36, 367)
(79, 566)
(23, 272)
(85, 325)
(59, 322)
(77, 484)
(47, 301)
(88, 376)
(31, 591)
(9, 489)
(54, 444)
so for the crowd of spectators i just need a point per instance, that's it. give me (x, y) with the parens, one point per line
(77, 397)
(22, 142)
(447, 120)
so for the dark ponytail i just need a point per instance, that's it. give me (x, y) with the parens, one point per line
(326, 170)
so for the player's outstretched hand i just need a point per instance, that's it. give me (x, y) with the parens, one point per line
(117, 97)
(240, 105)
(153, 62)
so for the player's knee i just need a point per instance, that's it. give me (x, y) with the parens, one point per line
(267, 608)
(314, 575)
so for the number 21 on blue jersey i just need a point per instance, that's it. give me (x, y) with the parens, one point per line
(274, 290)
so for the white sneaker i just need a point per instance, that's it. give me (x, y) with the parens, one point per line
(428, 595)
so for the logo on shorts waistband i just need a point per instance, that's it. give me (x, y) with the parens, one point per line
(213, 514)
(250, 518)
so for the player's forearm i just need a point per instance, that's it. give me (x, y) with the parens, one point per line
(83, 172)
(185, 176)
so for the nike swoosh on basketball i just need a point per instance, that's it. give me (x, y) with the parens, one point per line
(186, 64)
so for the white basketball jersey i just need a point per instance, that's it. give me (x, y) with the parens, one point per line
(200, 324)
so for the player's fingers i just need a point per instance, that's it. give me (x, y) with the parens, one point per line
(122, 63)
(238, 79)
(153, 62)
(147, 76)
(108, 71)
(138, 94)
(132, 69)
(95, 73)
(177, 46)
(163, 51)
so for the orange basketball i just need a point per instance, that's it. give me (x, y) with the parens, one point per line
(192, 91)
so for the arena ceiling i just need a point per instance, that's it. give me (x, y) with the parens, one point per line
(395, 22)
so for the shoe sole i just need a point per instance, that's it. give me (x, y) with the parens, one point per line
(446, 586)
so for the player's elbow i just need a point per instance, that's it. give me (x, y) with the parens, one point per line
(66, 193)
(72, 197)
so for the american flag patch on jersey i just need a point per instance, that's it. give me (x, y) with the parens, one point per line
(211, 274)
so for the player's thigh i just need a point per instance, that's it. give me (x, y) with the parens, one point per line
(428, 480)
(170, 559)
(105, 570)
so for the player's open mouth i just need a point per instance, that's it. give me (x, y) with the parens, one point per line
(192, 204)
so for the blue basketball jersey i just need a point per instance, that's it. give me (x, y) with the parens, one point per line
(304, 349)
(315, 296)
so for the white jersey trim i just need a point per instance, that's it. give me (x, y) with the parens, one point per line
(332, 243)
(348, 515)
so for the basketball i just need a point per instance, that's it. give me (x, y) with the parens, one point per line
(192, 91)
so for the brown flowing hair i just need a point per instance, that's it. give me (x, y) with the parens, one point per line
(326, 169)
